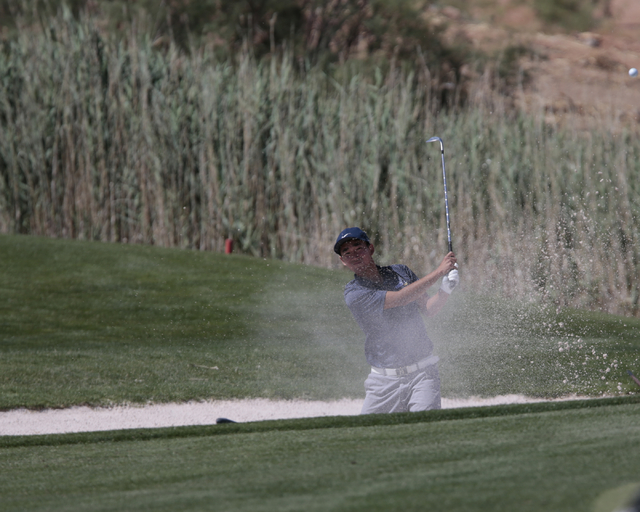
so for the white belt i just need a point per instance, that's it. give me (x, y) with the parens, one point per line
(406, 370)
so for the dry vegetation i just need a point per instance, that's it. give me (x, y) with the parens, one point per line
(130, 136)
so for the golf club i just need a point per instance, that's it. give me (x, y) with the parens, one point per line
(635, 379)
(446, 197)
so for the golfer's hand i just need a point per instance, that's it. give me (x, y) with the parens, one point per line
(450, 281)
(448, 264)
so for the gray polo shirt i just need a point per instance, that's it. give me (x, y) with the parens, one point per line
(394, 337)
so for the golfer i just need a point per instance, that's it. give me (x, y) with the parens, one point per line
(387, 303)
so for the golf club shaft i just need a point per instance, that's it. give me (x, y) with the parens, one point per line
(446, 195)
(635, 379)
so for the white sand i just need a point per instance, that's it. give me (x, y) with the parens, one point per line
(86, 419)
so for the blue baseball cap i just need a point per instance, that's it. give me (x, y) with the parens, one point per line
(350, 234)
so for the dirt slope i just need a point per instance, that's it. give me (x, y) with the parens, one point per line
(580, 78)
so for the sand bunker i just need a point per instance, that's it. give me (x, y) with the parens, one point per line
(86, 419)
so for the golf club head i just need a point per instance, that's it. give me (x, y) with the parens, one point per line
(436, 139)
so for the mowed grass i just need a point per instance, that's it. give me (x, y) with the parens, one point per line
(570, 456)
(85, 322)
(97, 323)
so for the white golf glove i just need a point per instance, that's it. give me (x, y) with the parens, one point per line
(450, 281)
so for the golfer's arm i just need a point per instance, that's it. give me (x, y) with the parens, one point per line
(411, 293)
(433, 305)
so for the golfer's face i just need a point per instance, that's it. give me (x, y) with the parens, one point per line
(356, 254)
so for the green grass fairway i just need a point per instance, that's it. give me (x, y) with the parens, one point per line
(553, 457)
(93, 323)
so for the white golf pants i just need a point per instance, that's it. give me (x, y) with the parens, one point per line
(418, 391)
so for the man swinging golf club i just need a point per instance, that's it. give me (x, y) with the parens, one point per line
(386, 302)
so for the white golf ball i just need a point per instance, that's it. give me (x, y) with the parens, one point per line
(633, 72)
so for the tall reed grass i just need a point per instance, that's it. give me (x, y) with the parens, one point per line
(118, 141)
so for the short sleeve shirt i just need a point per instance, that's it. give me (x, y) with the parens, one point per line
(394, 337)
